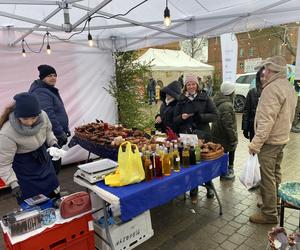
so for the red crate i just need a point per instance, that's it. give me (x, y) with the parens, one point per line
(73, 235)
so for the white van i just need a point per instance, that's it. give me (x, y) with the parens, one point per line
(243, 83)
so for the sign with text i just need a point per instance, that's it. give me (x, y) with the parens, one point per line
(250, 64)
(229, 47)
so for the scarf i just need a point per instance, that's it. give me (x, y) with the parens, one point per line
(191, 96)
(26, 130)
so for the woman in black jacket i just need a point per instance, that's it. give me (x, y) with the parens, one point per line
(169, 96)
(194, 111)
(251, 105)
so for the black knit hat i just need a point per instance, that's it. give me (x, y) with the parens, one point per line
(27, 105)
(45, 70)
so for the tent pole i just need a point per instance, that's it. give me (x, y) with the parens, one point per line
(36, 26)
(136, 23)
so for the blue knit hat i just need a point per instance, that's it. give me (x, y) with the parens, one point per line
(27, 105)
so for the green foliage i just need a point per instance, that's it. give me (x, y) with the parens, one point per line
(128, 88)
(217, 83)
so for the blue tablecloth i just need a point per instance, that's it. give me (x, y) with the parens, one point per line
(137, 198)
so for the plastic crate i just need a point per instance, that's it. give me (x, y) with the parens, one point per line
(126, 235)
(77, 234)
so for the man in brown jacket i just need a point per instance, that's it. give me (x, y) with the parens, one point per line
(273, 122)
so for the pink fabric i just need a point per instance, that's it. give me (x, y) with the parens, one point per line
(190, 78)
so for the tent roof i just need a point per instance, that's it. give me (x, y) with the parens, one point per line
(142, 26)
(173, 60)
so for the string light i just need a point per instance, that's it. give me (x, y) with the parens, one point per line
(48, 45)
(167, 16)
(90, 38)
(23, 50)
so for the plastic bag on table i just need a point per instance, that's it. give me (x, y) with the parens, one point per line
(250, 176)
(130, 169)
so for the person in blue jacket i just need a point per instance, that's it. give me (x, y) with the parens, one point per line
(52, 103)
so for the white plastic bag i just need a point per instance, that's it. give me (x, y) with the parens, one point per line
(56, 153)
(250, 176)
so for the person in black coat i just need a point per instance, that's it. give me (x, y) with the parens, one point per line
(169, 96)
(51, 102)
(194, 111)
(251, 105)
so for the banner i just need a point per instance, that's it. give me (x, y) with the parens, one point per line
(229, 47)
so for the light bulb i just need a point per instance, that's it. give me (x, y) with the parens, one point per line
(167, 17)
(90, 40)
(48, 49)
(23, 52)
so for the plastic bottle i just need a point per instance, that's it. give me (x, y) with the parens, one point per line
(176, 159)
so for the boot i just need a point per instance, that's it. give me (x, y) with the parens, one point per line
(229, 176)
(260, 218)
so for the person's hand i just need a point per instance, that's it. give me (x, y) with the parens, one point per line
(252, 151)
(185, 116)
(16, 192)
(158, 119)
(246, 134)
(62, 139)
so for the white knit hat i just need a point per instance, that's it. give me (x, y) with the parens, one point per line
(227, 88)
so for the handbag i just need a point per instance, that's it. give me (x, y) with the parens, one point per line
(75, 204)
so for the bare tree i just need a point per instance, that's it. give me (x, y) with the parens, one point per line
(196, 48)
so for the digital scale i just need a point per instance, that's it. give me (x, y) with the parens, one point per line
(96, 171)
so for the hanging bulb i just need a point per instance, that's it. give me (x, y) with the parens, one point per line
(48, 49)
(23, 52)
(167, 17)
(90, 40)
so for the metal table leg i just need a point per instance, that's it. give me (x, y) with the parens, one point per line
(282, 213)
(212, 186)
(106, 226)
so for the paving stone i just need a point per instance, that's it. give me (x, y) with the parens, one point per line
(229, 245)
(237, 238)
(219, 237)
(235, 224)
(246, 230)
(227, 230)
(241, 219)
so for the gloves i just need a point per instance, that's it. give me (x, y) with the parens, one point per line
(16, 192)
(62, 139)
(246, 134)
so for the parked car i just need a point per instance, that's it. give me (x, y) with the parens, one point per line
(244, 82)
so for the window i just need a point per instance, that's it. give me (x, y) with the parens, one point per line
(251, 51)
(246, 79)
(241, 65)
(241, 52)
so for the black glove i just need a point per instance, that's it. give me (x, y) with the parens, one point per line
(56, 145)
(16, 192)
(246, 134)
(62, 139)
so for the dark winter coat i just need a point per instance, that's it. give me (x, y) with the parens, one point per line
(224, 130)
(249, 111)
(167, 111)
(204, 111)
(53, 105)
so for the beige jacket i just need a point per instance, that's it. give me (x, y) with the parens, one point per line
(274, 114)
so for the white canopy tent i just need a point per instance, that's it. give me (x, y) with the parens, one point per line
(115, 25)
(172, 60)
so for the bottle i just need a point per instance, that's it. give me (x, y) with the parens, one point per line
(166, 163)
(143, 155)
(152, 160)
(148, 167)
(198, 153)
(192, 155)
(171, 150)
(180, 149)
(186, 157)
(158, 163)
(176, 159)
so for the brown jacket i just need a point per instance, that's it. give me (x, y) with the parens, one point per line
(275, 113)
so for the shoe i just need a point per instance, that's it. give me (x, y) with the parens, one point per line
(229, 176)
(210, 193)
(194, 199)
(260, 218)
(295, 129)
